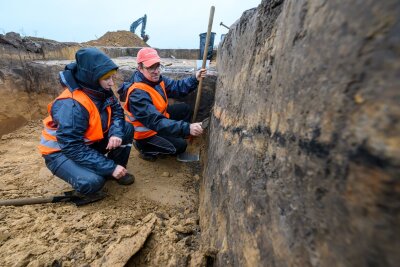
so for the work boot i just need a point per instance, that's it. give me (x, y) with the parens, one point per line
(127, 179)
(135, 146)
(82, 199)
(147, 157)
(143, 155)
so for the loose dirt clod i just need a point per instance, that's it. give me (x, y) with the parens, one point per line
(121, 251)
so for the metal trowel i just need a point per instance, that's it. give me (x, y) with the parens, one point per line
(192, 157)
(188, 157)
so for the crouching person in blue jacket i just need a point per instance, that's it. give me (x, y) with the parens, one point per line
(85, 138)
(159, 128)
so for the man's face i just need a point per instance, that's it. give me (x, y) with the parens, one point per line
(151, 73)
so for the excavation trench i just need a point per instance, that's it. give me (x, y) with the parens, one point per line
(153, 222)
(301, 159)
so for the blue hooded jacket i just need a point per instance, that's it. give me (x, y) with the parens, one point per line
(142, 107)
(72, 118)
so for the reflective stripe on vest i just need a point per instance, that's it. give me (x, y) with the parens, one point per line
(141, 131)
(94, 132)
(49, 143)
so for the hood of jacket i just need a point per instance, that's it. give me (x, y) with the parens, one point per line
(90, 65)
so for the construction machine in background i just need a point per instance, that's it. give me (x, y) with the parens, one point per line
(136, 23)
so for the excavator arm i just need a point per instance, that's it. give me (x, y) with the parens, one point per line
(141, 21)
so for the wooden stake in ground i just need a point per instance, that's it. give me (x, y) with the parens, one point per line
(187, 156)
(198, 96)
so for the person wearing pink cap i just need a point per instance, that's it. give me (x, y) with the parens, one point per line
(160, 129)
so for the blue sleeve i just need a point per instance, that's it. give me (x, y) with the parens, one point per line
(72, 120)
(180, 88)
(141, 106)
(117, 126)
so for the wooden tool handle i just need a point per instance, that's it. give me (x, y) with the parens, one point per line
(25, 201)
(68, 196)
(203, 65)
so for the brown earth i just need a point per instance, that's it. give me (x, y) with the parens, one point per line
(162, 202)
(119, 39)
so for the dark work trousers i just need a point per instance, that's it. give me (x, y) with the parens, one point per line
(167, 145)
(85, 180)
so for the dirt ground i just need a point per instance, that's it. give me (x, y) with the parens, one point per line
(158, 212)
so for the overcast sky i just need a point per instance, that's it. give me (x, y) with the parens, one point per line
(170, 23)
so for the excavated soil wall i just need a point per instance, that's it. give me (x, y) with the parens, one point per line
(24, 88)
(303, 160)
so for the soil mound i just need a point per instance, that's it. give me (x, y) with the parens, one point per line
(118, 38)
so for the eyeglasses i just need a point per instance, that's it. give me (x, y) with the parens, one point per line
(154, 68)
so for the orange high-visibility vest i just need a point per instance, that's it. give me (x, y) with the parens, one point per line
(94, 132)
(161, 104)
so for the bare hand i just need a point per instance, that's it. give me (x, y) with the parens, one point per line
(195, 129)
(119, 172)
(114, 142)
(201, 74)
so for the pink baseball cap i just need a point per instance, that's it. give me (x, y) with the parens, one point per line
(148, 56)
